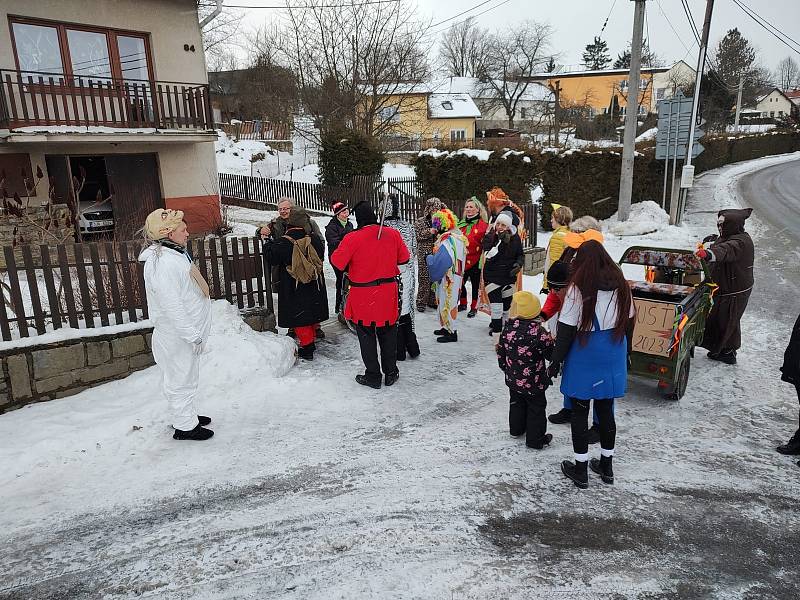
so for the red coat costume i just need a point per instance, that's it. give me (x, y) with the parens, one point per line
(371, 266)
(474, 233)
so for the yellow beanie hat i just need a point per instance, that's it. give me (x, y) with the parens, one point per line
(525, 306)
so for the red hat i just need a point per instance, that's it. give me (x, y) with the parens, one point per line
(338, 207)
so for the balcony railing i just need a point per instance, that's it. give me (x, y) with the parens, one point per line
(47, 100)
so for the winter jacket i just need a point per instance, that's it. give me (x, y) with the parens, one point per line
(299, 304)
(176, 304)
(555, 248)
(335, 232)
(503, 255)
(474, 229)
(372, 267)
(552, 305)
(791, 358)
(523, 347)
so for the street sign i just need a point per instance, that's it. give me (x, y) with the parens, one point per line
(674, 125)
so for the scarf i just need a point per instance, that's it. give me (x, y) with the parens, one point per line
(469, 223)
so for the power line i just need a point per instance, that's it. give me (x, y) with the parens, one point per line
(769, 27)
(461, 13)
(312, 6)
(689, 16)
(478, 15)
(666, 18)
(605, 23)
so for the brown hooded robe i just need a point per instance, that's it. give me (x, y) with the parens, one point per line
(732, 271)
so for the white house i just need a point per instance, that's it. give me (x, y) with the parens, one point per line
(776, 104)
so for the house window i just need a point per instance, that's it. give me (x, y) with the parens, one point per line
(458, 135)
(772, 113)
(780, 113)
(447, 105)
(522, 113)
(42, 48)
(390, 114)
(660, 93)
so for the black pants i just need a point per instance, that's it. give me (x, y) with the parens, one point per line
(406, 338)
(500, 302)
(580, 428)
(526, 414)
(339, 282)
(473, 275)
(369, 337)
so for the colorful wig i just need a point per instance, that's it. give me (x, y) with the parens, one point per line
(443, 220)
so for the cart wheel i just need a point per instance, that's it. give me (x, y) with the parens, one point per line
(675, 392)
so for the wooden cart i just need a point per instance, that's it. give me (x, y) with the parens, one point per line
(672, 305)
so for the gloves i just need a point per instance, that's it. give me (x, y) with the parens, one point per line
(553, 370)
(515, 271)
(710, 238)
(505, 237)
(197, 347)
(702, 254)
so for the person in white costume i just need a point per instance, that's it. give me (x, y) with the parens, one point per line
(179, 306)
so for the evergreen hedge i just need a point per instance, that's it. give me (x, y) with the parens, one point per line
(345, 154)
(586, 181)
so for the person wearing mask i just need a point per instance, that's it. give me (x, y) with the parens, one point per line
(503, 260)
(426, 236)
(730, 257)
(302, 295)
(593, 342)
(338, 227)
(446, 268)
(473, 225)
(407, 343)
(180, 309)
(371, 255)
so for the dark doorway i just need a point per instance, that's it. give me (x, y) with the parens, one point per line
(135, 189)
(95, 202)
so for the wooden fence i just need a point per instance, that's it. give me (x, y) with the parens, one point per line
(99, 284)
(318, 198)
(257, 130)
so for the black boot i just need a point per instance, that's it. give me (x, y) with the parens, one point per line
(603, 468)
(197, 434)
(561, 417)
(362, 379)
(392, 378)
(791, 447)
(441, 331)
(320, 335)
(204, 420)
(496, 326)
(307, 352)
(462, 307)
(576, 472)
(447, 337)
(472, 312)
(544, 441)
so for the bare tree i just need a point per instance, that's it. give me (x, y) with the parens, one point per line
(512, 57)
(351, 61)
(787, 74)
(462, 49)
(219, 32)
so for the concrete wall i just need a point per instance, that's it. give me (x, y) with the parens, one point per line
(170, 23)
(56, 370)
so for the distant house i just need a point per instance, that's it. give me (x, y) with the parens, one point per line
(532, 105)
(593, 92)
(224, 86)
(775, 104)
(420, 112)
(115, 94)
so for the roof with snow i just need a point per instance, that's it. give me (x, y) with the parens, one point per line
(534, 92)
(590, 72)
(452, 106)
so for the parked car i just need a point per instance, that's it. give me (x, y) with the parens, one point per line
(95, 218)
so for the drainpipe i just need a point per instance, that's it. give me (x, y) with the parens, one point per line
(213, 15)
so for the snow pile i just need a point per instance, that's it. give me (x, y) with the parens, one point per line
(645, 217)
(648, 135)
(433, 152)
(234, 348)
(236, 157)
(762, 128)
(479, 154)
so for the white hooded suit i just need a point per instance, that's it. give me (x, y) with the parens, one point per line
(181, 314)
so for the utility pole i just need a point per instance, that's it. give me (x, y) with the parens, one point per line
(556, 89)
(631, 113)
(738, 103)
(687, 176)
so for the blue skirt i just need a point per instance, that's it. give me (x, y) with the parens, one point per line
(598, 370)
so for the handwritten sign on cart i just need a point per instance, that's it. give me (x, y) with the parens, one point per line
(652, 333)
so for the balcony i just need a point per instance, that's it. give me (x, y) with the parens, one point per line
(43, 102)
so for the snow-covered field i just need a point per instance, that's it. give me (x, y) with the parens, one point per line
(315, 487)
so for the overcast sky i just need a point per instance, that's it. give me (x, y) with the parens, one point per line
(576, 22)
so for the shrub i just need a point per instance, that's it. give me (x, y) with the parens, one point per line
(457, 176)
(345, 154)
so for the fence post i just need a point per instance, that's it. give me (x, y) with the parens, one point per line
(246, 187)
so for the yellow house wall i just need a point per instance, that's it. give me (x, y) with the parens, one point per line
(597, 90)
(414, 119)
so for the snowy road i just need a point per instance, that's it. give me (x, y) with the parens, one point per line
(316, 488)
